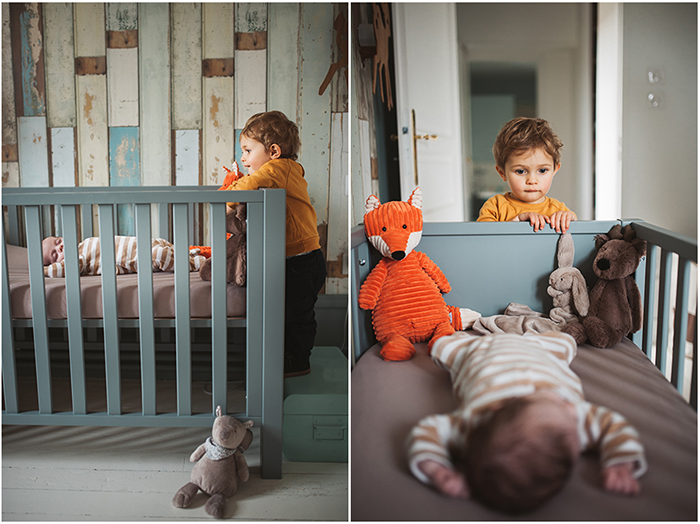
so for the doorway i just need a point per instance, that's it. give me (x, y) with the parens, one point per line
(500, 91)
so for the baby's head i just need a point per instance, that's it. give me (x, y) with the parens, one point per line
(523, 454)
(527, 154)
(275, 132)
(52, 250)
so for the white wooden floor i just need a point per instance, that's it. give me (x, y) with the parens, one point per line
(54, 473)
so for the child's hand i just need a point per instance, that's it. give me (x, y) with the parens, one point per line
(446, 480)
(561, 219)
(619, 479)
(536, 220)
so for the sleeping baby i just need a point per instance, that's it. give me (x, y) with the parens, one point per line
(90, 260)
(521, 423)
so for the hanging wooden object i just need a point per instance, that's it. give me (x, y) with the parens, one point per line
(341, 39)
(382, 32)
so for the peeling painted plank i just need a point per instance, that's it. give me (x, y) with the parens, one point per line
(33, 152)
(63, 156)
(218, 133)
(283, 58)
(337, 246)
(90, 65)
(217, 30)
(122, 16)
(60, 65)
(187, 157)
(92, 130)
(154, 94)
(89, 29)
(251, 92)
(315, 118)
(10, 174)
(28, 58)
(212, 67)
(10, 153)
(91, 94)
(123, 39)
(123, 87)
(251, 17)
(124, 170)
(251, 65)
(251, 41)
(9, 115)
(186, 52)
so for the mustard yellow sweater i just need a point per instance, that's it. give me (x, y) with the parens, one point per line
(302, 233)
(504, 208)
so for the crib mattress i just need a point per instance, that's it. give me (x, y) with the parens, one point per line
(388, 398)
(127, 293)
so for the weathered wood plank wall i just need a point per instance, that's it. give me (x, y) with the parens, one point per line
(110, 94)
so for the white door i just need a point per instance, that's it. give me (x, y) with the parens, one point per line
(427, 92)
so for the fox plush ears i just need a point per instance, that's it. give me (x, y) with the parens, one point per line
(394, 228)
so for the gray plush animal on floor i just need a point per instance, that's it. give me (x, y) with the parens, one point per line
(220, 463)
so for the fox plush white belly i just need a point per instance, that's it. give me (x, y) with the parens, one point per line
(404, 290)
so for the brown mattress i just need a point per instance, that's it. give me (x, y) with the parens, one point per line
(127, 293)
(388, 398)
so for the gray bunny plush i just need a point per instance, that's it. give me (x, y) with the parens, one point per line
(567, 287)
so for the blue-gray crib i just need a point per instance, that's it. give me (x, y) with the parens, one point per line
(29, 209)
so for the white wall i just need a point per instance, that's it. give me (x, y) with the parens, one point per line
(659, 144)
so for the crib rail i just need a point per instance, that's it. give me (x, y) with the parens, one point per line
(27, 211)
(671, 261)
(477, 256)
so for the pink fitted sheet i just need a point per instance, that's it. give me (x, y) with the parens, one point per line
(127, 293)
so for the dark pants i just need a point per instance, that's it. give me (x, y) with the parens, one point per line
(305, 277)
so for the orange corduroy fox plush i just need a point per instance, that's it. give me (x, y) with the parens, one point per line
(404, 290)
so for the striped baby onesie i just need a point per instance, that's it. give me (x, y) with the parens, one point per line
(486, 370)
(90, 259)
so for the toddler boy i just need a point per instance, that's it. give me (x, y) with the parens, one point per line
(527, 154)
(270, 142)
(521, 423)
(90, 258)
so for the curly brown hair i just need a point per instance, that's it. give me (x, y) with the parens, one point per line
(273, 127)
(524, 134)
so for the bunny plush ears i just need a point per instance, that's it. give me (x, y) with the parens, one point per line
(565, 251)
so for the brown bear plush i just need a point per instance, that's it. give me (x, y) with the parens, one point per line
(615, 303)
(235, 248)
(220, 463)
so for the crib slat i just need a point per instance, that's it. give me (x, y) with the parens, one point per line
(182, 310)
(146, 325)
(13, 223)
(219, 347)
(86, 220)
(74, 309)
(273, 271)
(32, 218)
(9, 369)
(680, 323)
(109, 309)
(664, 310)
(254, 309)
(649, 299)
